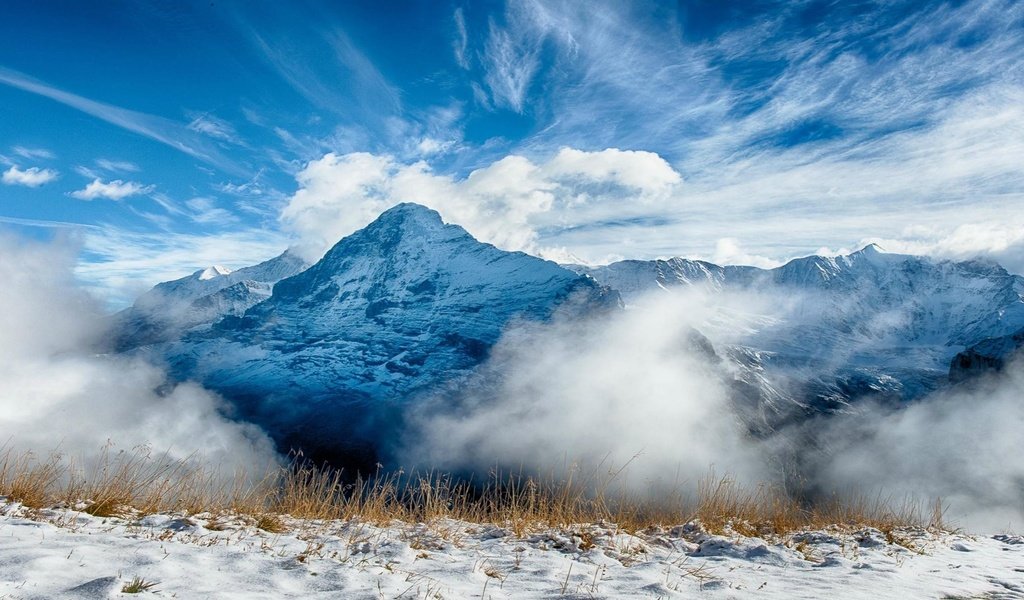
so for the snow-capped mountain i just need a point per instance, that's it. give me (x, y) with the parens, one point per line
(404, 305)
(327, 357)
(173, 307)
(834, 328)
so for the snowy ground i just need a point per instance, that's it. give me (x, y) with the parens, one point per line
(67, 554)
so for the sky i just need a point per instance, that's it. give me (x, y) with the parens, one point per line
(164, 137)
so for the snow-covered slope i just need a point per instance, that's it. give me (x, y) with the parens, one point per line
(173, 307)
(63, 554)
(841, 327)
(404, 305)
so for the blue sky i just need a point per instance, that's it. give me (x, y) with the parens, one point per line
(163, 137)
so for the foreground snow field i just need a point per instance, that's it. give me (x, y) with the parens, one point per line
(68, 554)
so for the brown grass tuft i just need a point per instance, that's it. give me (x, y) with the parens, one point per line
(136, 482)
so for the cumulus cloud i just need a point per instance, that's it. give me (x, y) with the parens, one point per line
(113, 190)
(58, 392)
(30, 177)
(505, 203)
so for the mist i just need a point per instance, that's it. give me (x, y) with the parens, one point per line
(60, 393)
(962, 445)
(639, 390)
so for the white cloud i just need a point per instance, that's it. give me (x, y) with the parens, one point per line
(153, 127)
(566, 393)
(33, 153)
(728, 251)
(505, 203)
(30, 177)
(461, 43)
(113, 190)
(638, 169)
(205, 210)
(59, 391)
(117, 165)
(512, 54)
(214, 127)
(1002, 241)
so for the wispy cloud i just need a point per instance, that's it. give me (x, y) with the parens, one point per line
(156, 128)
(112, 190)
(205, 210)
(332, 74)
(512, 54)
(461, 44)
(30, 177)
(121, 166)
(33, 153)
(213, 126)
(786, 135)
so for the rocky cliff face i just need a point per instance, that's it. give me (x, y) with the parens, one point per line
(989, 355)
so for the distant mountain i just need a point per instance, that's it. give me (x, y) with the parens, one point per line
(837, 328)
(403, 306)
(171, 308)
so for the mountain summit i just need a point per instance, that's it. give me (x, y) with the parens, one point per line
(402, 306)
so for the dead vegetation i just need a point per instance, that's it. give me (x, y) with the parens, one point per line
(138, 483)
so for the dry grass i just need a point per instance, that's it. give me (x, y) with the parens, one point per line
(138, 483)
(137, 585)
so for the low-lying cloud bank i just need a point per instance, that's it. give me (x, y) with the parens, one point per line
(57, 392)
(638, 389)
(962, 445)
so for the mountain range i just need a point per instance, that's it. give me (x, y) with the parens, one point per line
(327, 356)
(327, 361)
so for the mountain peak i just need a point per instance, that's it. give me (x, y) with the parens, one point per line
(212, 272)
(409, 212)
(870, 250)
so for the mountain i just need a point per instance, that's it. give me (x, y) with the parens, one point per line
(328, 358)
(169, 309)
(396, 309)
(827, 330)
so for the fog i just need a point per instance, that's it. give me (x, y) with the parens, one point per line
(638, 389)
(634, 390)
(58, 393)
(964, 445)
